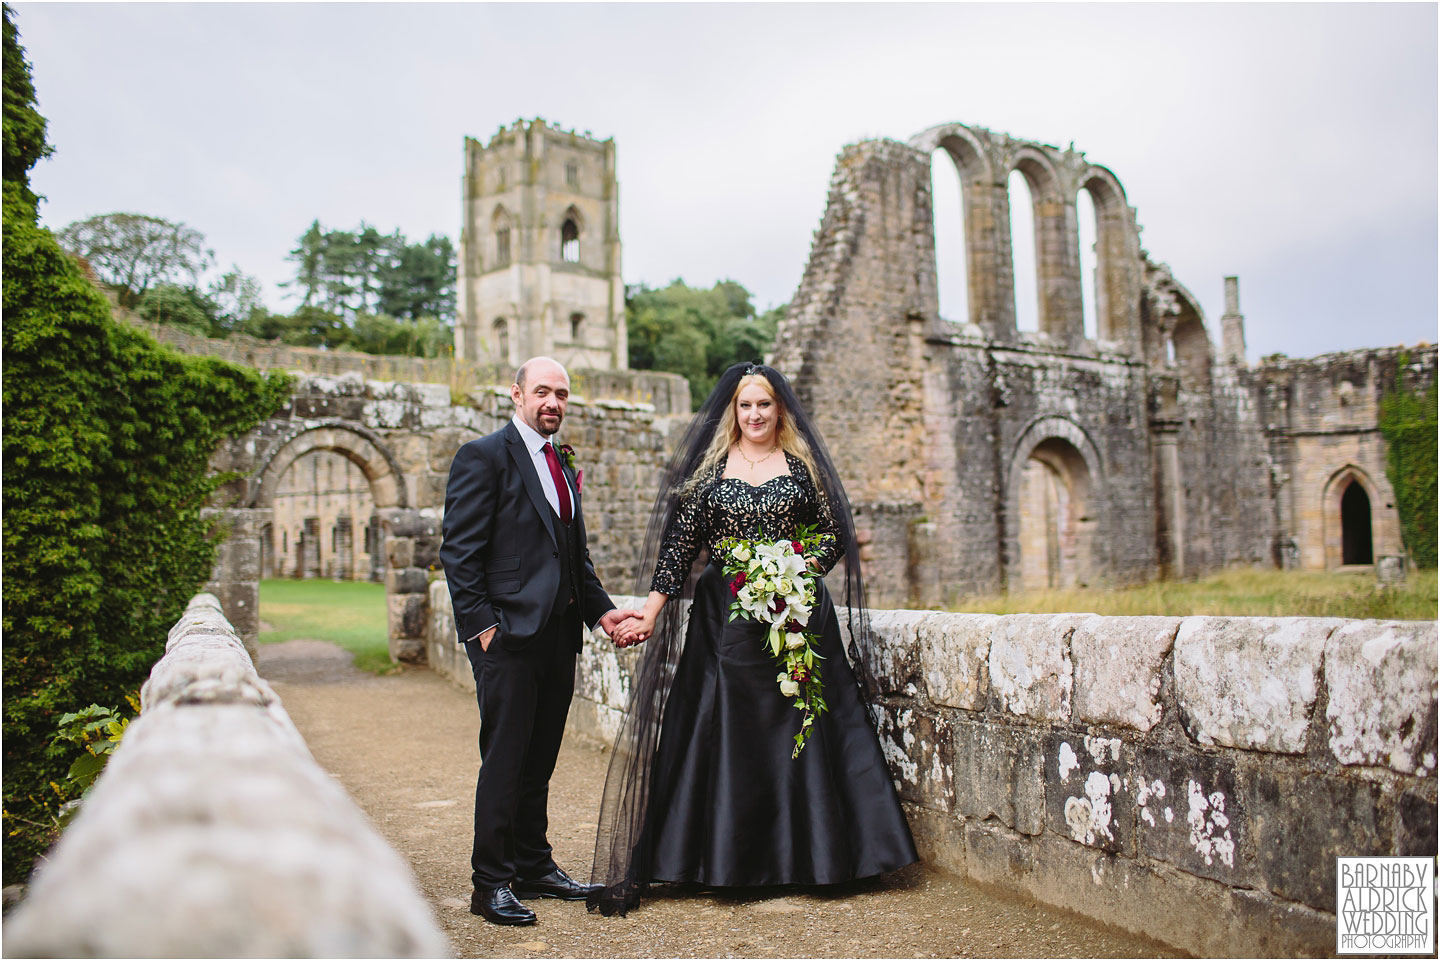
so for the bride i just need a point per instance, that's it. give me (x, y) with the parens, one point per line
(703, 786)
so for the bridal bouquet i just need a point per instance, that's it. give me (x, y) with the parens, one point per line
(773, 584)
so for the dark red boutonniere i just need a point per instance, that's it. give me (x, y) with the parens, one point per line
(567, 454)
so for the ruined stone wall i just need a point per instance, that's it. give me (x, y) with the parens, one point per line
(1192, 779)
(667, 393)
(1321, 417)
(982, 458)
(403, 437)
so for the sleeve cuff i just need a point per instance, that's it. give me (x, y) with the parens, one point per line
(476, 636)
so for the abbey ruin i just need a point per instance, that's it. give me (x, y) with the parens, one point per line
(980, 458)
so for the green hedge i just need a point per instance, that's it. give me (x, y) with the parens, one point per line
(1408, 423)
(107, 438)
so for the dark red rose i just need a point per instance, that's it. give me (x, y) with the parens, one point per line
(737, 583)
(777, 605)
(799, 547)
(794, 627)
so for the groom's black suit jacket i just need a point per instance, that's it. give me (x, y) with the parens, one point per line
(502, 544)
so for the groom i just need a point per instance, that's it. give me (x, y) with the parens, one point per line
(522, 586)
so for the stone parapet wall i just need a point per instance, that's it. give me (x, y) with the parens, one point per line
(1189, 778)
(212, 832)
(667, 393)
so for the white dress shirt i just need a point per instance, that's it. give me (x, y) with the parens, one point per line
(535, 443)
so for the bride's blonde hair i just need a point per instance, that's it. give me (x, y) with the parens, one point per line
(727, 435)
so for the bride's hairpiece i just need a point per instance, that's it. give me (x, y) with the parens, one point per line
(754, 369)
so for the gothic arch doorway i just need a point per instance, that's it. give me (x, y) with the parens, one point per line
(1052, 508)
(1056, 526)
(1356, 546)
(1349, 502)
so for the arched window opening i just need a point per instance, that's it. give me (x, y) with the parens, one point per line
(502, 247)
(1356, 546)
(570, 242)
(502, 338)
(572, 174)
(952, 275)
(1169, 351)
(284, 542)
(577, 324)
(1022, 253)
(1088, 229)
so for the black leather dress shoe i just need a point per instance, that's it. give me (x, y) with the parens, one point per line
(556, 884)
(500, 907)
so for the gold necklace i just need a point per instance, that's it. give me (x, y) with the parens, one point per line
(755, 463)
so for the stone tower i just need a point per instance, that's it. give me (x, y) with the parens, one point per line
(539, 266)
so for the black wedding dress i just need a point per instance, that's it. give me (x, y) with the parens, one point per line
(728, 805)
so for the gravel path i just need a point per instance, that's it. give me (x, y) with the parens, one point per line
(404, 746)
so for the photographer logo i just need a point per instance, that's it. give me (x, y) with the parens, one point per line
(1384, 906)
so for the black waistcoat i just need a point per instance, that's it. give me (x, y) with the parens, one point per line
(567, 539)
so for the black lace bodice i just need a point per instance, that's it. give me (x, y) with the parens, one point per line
(729, 507)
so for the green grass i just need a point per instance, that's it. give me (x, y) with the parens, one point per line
(1246, 592)
(348, 613)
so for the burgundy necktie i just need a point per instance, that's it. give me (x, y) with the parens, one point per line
(562, 490)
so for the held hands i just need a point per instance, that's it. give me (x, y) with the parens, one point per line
(613, 623)
(634, 630)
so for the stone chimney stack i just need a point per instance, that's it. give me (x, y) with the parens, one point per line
(1232, 324)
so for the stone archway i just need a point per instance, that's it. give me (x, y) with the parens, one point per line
(1052, 508)
(1348, 506)
(408, 537)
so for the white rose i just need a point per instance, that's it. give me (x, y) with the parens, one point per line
(783, 586)
(742, 554)
(789, 688)
(794, 641)
(782, 677)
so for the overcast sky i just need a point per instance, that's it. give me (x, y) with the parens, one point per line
(1293, 144)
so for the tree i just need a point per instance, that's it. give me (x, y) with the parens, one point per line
(307, 257)
(420, 280)
(106, 448)
(184, 308)
(132, 252)
(236, 296)
(696, 333)
(362, 271)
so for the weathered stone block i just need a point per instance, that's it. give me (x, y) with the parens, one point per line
(1300, 824)
(400, 551)
(1381, 678)
(1417, 826)
(1087, 791)
(1030, 669)
(954, 655)
(445, 443)
(897, 653)
(430, 489)
(918, 745)
(1250, 682)
(1190, 812)
(402, 522)
(1117, 669)
(411, 452)
(998, 774)
(406, 580)
(426, 552)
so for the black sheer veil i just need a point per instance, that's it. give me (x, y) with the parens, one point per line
(623, 839)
